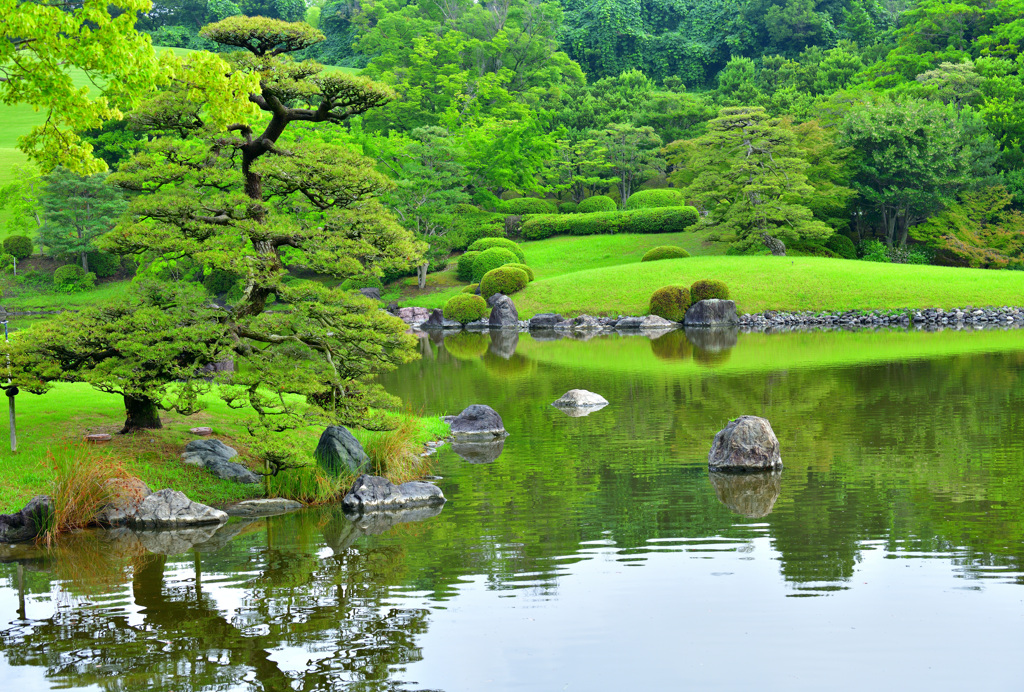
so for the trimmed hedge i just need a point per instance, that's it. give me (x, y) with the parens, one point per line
(492, 258)
(529, 272)
(664, 252)
(464, 268)
(567, 207)
(661, 220)
(652, 199)
(487, 243)
(842, 246)
(354, 283)
(18, 245)
(670, 302)
(472, 288)
(706, 289)
(527, 205)
(597, 203)
(465, 307)
(506, 279)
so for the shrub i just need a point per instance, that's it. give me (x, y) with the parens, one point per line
(465, 308)
(465, 209)
(219, 281)
(597, 203)
(670, 302)
(103, 264)
(874, 251)
(663, 220)
(529, 272)
(650, 199)
(7, 263)
(487, 243)
(567, 207)
(492, 258)
(664, 252)
(71, 278)
(842, 246)
(526, 205)
(354, 283)
(464, 268)
(706, 289)
(506, 279)
(472, 288)
(18, 245)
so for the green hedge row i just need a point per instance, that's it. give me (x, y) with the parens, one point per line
(653, 199)
(660, 220)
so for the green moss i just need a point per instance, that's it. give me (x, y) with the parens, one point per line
(356, 282)
(664, 252)
(487, 243)
(670, 302)
(660, 220)
(492, 258)
(707, 289)
(465, 308)
(506, 280)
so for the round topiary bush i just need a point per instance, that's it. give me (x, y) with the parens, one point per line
(842, 246)
(567, 207)
(510, 245)
(492, 258)
(465, 209)
(465, 307)
(18, 245)
(706, 289)
(670, 302)
(649, 199)
(472, 288)
(464, 268)
(597, 203)
(664, 252)
(526, 205)
(506, 279)
(72, 278)
(529, 272)
(354, 283)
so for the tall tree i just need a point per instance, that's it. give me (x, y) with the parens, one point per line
(633, 155)
(77, 210)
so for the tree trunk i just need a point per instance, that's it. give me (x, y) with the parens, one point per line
(141, 413)
(85, 262)
(421, 275)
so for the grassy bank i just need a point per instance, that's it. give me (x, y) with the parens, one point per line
(51, 427)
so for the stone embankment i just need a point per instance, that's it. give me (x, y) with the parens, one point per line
(854, 319)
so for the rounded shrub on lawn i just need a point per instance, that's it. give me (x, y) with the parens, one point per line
(472, 288)
(103, 264)
(72, 278)
(664, 252)
(670, 302)
(492, 258)
(465, 307)
(842, 246)
(597, 203)
(529, 272)
(464, 267)
(18, 245)
(510, 245)
(506, 279)
(527, 205)
(707, 289)
(567, 207)
(354, 283)
(649, 199)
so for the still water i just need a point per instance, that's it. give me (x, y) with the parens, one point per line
(596, 553)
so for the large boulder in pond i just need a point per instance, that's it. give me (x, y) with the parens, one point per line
(711, 313)
(745, 444)
(477, 420)
(339, 452)
(375, 493)
(749, 494)
(29, 522)
(170, 509)
(503, 312)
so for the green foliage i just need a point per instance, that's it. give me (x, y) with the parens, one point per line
(487, 243)
(568, 207)
(664, 252)
(219, 281)
(507, 279)
(103, 264)
(874, 251)
(77, 210)
(597, 203)
(803, 248)
(19, 246)
(708, 289)
(526, 205)
(492, 258)
(354, 283)
(465, 308)
(525, 268)
(670, 303)
(978, 231)
(472, 288)
(71, 278)
(842, 246)
(658, 220)
(648, 199)
(464, 268)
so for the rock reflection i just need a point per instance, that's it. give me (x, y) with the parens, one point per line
(479, 452)
(504, 342)
(752, 495)
(711, 345)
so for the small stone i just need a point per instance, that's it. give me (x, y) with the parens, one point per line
(580, 398)
(546, 320)
(201, 431)
(28, 523)
(264, 507)
(126, 496)
(97, 438)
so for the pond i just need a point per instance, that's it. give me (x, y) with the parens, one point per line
(597, 552)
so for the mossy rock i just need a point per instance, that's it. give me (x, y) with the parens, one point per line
(670, 302)
(487, 243)
(664, 252)
(506, 279)
(492, 258)
(708, 289)
(465, 308)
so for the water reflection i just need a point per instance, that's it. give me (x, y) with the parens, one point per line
(478, 452)
(751, 495)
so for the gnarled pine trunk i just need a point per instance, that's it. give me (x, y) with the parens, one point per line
(141, 413)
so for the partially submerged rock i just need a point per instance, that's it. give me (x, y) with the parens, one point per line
(477, 420)
(263, 507)
(338, 451)
(646, 322)
(711, 313)
(126, 496)
(745, 444)
(580, 398)
(172, 509)
(214, 456)
(437, 320)
(503, 312)
(750, 494)
(29, 522)
(583, 323)
(375, 493)
(546, 320)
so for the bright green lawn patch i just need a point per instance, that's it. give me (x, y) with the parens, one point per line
(59, 420)
(29, 301)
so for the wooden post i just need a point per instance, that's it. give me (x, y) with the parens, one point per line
(11, 393)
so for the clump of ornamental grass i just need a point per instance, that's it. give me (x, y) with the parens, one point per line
(397, 454)
(79, 488)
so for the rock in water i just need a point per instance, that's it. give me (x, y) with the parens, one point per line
(171, 508)
(711, 313)
(374, 493)
(503, 312)
(126, 496)
(29, 522)
(214, 456)
(546, 320)
(477, 420)
(750, 494)
(437, 320)
(337, 451)
(745, 444)
(263, 507)
(580, 398)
